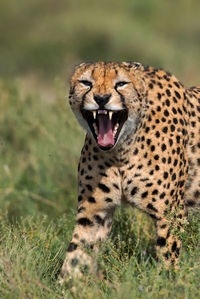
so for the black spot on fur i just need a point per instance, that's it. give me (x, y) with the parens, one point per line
(88, 177)
(99, 220)
(81, 209)
(163, 226)
(74, 262)
(196, 194)
(154, 192)
(162, 195)
(108, 199)
(134, 191)
(174, 245)
(135, 151)
(177, 252)
(103, 188)
(91, 199)
(177, 94)
(116, 186)
(167, 255)
(161, 241)
(151, 207)
(190, 203)
(72, 246)
(80, 198)
(173, 177)
(144, 194)
(165, 175)
(89, 187)
(85, 222)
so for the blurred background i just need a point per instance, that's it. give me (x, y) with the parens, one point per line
(40, 42)
(47, 37)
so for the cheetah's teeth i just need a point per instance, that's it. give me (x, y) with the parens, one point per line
(94, 114)
(102, 111)
(95, 128)
(115, 129)
(110, 115)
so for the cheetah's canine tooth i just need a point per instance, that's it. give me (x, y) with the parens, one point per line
(110, 114)
(94, 114)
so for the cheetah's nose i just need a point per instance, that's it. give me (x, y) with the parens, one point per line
(102, 100)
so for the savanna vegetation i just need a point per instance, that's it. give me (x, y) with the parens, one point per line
(40, 142)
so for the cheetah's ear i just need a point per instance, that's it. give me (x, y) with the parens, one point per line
(78, 66)
(82, 65)
(78, 70)
(136, 70)
(132, 65)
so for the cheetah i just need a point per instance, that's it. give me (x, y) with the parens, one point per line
(142, 148)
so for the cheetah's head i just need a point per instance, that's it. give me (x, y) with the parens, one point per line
(106, 99)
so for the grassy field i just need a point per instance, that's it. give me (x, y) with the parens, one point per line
(40, 142)
(40, 145)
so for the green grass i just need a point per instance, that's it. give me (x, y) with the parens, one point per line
(40, 145)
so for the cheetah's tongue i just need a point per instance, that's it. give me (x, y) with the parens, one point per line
(105, 136)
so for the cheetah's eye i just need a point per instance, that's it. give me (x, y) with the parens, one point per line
(120, 84)
(86, 83)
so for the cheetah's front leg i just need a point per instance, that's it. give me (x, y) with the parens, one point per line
(168, 237)
(93, 225)
(97, 200)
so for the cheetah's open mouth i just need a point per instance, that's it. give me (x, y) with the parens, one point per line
(105, 125)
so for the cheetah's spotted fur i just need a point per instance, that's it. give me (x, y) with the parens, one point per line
(145, 152)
